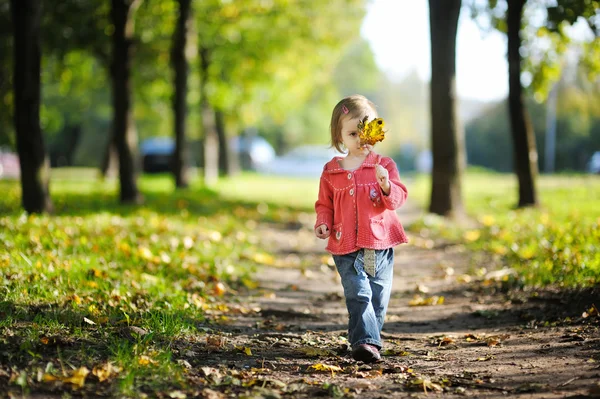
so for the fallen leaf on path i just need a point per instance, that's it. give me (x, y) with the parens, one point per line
(244, 349)
(593, 311)
(325, 367)
(210, 394)
(215, 341)
(418, 300)
(424, 384)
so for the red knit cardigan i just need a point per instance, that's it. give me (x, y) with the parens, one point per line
(355, 209)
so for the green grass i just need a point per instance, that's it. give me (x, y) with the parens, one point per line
(555, 243)
(71, 283)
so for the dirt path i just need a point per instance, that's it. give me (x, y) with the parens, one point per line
(481, 342)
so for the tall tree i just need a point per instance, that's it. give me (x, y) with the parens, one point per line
(524, 146)
(180, 69)
(124, 133)
(447, 135)
(35, 168)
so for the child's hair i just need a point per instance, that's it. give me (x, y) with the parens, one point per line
(355, 107)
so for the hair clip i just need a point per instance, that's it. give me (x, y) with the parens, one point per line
(345, 109)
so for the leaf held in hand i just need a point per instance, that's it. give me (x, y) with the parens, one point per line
(371, 132)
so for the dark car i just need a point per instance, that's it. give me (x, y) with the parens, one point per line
(157, 154)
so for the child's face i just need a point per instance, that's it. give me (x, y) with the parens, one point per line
(350, 136)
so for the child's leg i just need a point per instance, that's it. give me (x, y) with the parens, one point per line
(363, 327)
(381, 284)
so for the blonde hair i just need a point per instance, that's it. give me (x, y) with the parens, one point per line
(355, 107)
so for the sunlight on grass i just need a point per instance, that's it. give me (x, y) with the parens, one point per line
(80, 278)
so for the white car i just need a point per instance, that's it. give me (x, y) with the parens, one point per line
(594, 163)
(303, 161)
(9, 165)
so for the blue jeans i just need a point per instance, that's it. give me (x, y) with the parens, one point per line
(367, 297)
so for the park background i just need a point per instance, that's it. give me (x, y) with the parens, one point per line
(108, 272)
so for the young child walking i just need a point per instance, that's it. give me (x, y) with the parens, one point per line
(358, 196)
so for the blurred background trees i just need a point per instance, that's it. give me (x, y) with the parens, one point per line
(115, 73)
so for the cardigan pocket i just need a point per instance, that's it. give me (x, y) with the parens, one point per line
(337, 232)
(377, 227)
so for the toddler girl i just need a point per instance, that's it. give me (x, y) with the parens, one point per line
(358, 196)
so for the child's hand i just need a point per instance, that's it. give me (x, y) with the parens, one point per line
(383, 178)
(322, 231)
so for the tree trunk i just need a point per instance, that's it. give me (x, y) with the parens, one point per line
(525, 153)
(211, 139)
(124, 134)
(447, 134)
(225, 166)
(180, 69)
(33, 159)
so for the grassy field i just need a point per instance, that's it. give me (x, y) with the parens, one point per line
(105, 289)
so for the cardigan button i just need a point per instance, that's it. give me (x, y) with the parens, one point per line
(349, 176)
(351, 191)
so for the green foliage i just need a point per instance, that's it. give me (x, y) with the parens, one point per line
(555, 244)
(488, 140)
(546, 37)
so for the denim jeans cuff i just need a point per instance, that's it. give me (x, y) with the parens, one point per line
(369, 341)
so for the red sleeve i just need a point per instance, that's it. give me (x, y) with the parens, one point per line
(398, 192)
(324, 204)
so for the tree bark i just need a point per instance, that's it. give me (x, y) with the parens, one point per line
(124, 133)
(180, 68)
(225, 166)
(447, 134)
(525, 153)
(33, 159)
(211, 139)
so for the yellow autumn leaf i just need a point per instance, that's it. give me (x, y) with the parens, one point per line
(418, 300)
(145, 360)
(371, 132)
(78, 377)
(105, 371)
(325, 367)
(472, 235)
(145, 253)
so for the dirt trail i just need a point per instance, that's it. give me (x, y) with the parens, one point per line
(481, 342)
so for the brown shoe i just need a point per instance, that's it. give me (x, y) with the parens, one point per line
(366, 353)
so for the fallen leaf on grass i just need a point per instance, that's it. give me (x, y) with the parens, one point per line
(145, 360)
(177, 395)
(77, 378)
(105, 371)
